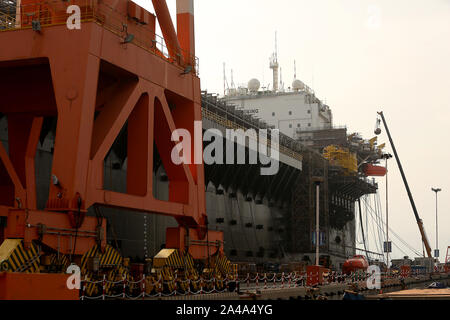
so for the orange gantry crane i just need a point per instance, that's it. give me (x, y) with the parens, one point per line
(112, 71)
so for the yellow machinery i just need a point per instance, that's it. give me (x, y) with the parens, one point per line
(342, 157)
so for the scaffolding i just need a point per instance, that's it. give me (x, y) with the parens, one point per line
(315, 168)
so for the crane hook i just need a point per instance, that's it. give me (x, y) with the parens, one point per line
(378, 126)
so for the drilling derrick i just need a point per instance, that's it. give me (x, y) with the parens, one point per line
(86, 86)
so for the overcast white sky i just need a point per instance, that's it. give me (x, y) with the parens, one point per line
(360, 57)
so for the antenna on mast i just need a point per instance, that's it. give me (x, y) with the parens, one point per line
(281, 80)
(225, 82)
(274, 65)
(276, 47)
(232, 80)
(295, 70)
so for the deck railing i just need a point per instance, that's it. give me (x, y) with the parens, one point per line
(54, 12)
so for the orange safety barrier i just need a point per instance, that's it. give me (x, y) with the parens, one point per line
(315, 275)
(405, 271)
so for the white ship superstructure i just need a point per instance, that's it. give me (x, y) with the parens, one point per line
(294, 111)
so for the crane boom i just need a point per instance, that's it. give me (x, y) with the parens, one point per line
(411, 199)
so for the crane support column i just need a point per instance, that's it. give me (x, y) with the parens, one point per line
(185, 29)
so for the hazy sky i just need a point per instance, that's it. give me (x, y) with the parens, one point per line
(360, 57)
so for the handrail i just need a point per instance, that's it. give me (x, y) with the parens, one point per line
(53, 12)
(232, 125)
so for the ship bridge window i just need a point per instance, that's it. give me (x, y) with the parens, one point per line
(290, 113)
(273, 114)
(290, 126)
(309, 111)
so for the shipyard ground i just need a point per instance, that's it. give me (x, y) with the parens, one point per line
(332, 291)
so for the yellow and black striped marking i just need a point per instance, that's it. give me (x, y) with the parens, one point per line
(170, 260)
(175, 261)
(222, 265)
(110, 263)
(15, 258)
(111, 258)
(60, 260)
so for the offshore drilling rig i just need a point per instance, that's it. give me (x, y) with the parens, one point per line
(88, 86)
(86, 174)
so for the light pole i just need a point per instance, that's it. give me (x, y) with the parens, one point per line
(387, 157)
(317, 222)
(436, 253)
(317, 181)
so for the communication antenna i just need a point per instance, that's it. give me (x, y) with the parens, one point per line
(274, 65)
(276, 47)
(263, 81)
(225, 82)
(281, 80)
(232, 80)
(295, 70)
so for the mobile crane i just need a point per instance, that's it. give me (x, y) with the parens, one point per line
(411, 199)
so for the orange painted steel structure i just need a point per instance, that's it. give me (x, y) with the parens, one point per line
(22, 286)
(95, 81)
